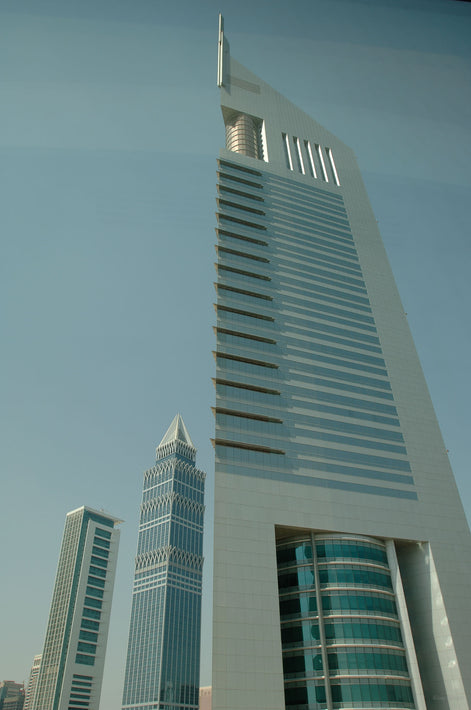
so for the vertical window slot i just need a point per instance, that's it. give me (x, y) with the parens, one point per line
(322, 162)
(311, 163)
(332, 165)
(299, 155)
(289, 160)
(263, 138)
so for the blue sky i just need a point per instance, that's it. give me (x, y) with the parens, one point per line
(109, 130)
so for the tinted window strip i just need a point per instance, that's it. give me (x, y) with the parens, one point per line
(338, 225)
(248, 360)
(284, 185)
(293, 203)
(247, 336)
(239, 180)
(354, 457)
(249, 314)
(320, 315)
(343, 295)
(359, 318)
(294, 239)
(241, 168)
(289, 478)
(348, 413)
(237, 220)
(242, 237)
(251, 274)
(326, 332)
(246, 415)
(313, 271)
(340, 352)
(243, 292)
(240, 193)
(314, 219)
(327, 338)
(317, 237)
(315, 256)
(242, 255)
(348, 428)
(345, 300)
(339, 375)
(103, 533)
(303, 282)
(337, 362)
(245, 386)
(243, 445)
(294, 194)
(222, 203)
(358, 443)
(321, 396)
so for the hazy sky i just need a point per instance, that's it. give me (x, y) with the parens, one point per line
(109, 131)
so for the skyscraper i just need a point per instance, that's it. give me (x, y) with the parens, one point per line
(163, 659)
(32, 682)
(73, 657)
(342, 555)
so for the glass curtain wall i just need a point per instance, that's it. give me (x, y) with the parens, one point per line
(340, 629)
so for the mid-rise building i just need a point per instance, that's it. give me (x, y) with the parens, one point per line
(342, 560)
(12, 695)
(163, 659)
(32, 682)
(71, 669)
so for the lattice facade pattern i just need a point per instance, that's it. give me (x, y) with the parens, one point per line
(162, 669)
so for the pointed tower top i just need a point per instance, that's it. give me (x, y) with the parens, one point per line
(176, 440)
(223, 54)
(177, 430)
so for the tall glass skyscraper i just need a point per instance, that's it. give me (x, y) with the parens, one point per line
(71, 667)
(342, 570)
(163, 659)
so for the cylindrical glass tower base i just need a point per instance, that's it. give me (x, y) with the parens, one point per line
(340, 629)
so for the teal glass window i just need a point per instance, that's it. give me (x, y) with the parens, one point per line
(89, 624)
(103, 533)
(91, 613)
(97, 561)
(101, 553)
(98, 572)
(95, 592)
(85, 660)
(93, 602)
(101, 543)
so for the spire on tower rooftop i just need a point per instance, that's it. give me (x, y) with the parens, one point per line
(177, 431)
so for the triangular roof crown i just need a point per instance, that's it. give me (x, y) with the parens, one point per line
(177, 431)
(176, 441)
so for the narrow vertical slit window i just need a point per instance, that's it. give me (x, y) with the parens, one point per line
(299, 155)
(263, 136)
(289, 160)
(322, 161)
(332, 165)
(312, 166)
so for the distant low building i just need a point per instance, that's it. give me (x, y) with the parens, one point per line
(12, 695)
(205, 698)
